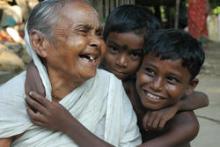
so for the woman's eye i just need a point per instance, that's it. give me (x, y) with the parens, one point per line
(99, 33)
(83, 31)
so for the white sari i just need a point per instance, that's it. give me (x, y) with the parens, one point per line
(100, 104)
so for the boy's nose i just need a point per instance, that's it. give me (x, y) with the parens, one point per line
(122, 61)
(157, 84)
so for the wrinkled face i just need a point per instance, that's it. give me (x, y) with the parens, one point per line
(161, 83)
(124, 54)
(76, 50)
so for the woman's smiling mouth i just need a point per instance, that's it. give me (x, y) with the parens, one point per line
(90, 59)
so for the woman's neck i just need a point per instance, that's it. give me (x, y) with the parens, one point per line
(61, 85)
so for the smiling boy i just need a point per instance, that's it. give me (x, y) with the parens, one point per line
(168, 72)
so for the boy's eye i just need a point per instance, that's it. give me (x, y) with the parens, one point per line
(136, 55)
(173, 80)
(113, 49)
(150, 72)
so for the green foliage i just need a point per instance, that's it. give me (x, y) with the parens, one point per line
(216, 10)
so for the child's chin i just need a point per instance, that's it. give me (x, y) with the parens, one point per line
(153, 106)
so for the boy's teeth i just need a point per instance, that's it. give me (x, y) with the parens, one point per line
(153, 96)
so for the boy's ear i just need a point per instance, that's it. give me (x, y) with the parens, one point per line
(192, 85)
(39, 43)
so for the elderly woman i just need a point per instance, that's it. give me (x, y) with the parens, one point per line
(64, 40)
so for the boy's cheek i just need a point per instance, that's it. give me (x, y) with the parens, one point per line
(189, 91)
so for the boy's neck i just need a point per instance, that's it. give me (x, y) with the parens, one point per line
(129, 86)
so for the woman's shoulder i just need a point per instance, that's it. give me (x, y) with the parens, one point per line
(14, 85)
(106, 74)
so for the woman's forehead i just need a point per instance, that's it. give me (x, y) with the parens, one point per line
(81, 13)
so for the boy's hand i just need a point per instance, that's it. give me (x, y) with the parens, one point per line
(33, 81)
(156, 120)
(44, 113)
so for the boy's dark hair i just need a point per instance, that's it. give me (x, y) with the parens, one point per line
(130, 18)
(176, 44)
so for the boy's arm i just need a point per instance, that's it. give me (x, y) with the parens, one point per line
(158, 119)
(194, 101)
(181, 129)
(53, 116)
(5, 142)
(33, 81)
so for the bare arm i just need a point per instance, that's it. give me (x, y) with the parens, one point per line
(5, 142)
(33, 81)
(157, 119)
(181, 129)
(54, 116)
(82, 136)
(194, 101)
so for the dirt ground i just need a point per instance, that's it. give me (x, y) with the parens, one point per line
(209, 117)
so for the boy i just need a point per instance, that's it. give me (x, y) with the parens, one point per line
(124, 35)
(168, 72)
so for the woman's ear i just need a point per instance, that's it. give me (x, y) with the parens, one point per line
(192, 85)
(39, 43)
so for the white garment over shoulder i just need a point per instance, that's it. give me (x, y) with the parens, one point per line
(100, 104)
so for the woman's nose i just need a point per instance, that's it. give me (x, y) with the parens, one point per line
(95, 41)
